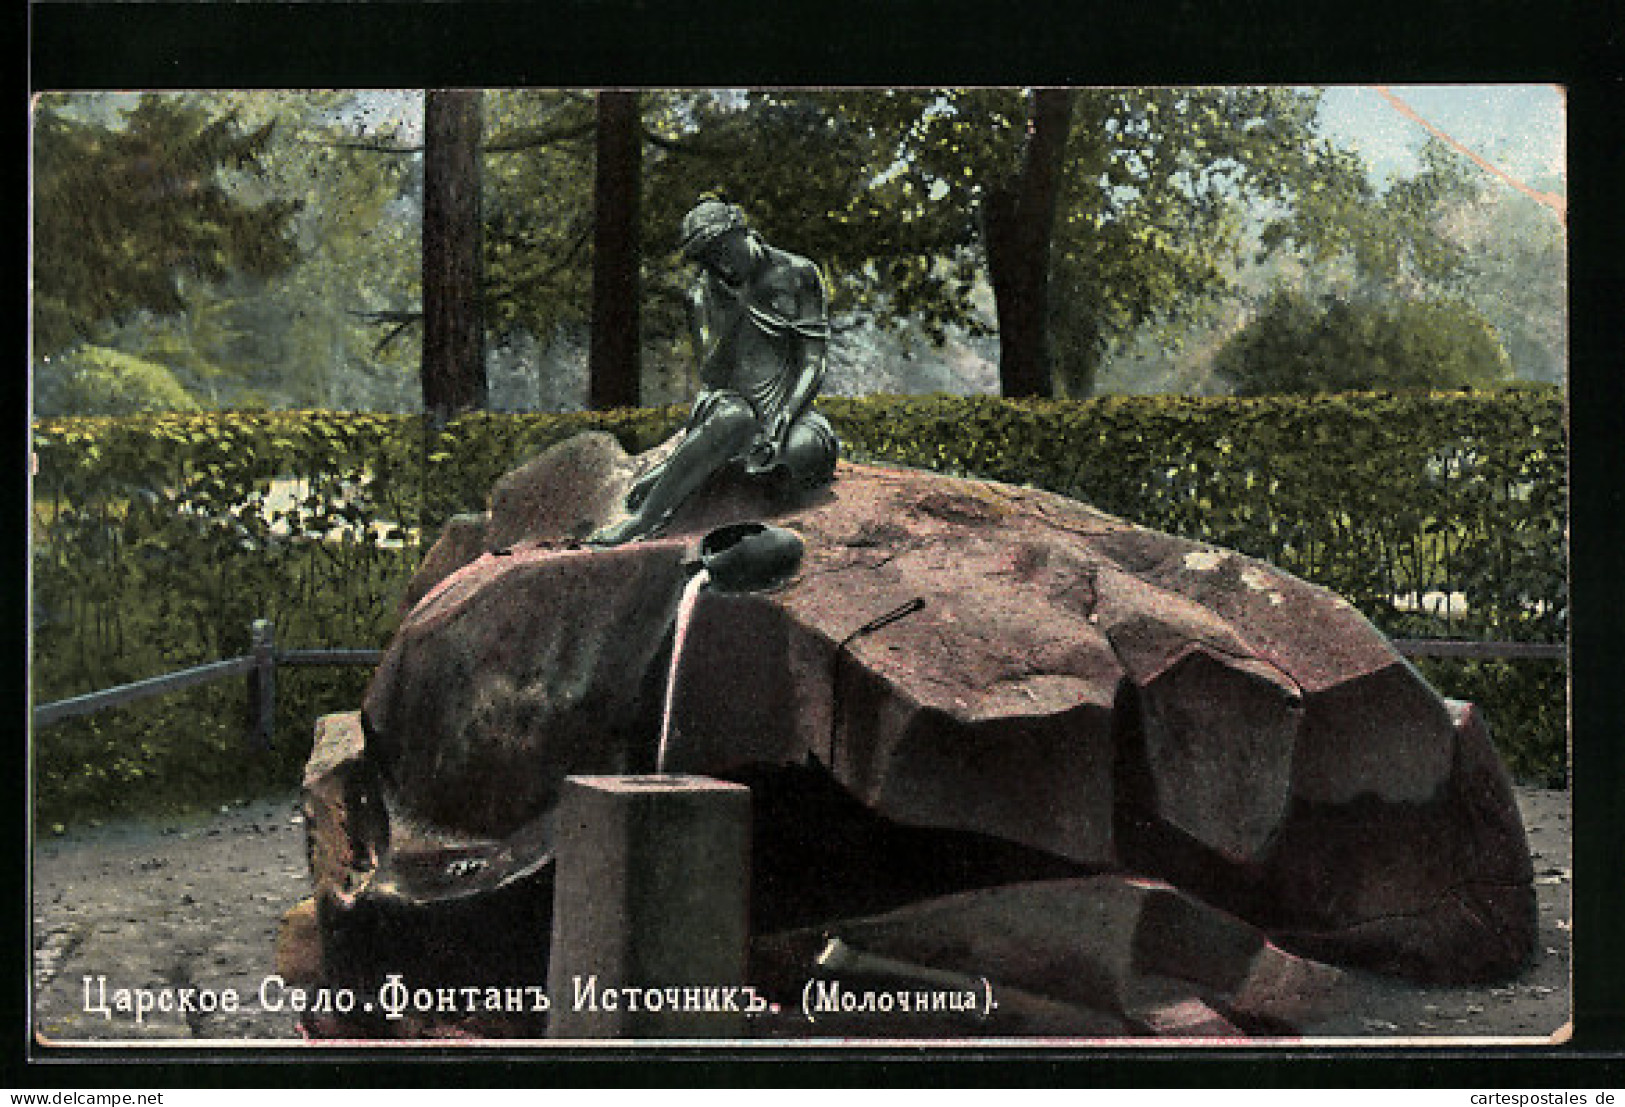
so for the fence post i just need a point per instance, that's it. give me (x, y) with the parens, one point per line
(262, 683)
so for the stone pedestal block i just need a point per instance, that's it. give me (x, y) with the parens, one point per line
(650, 907)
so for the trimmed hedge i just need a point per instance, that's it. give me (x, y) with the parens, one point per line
(158, 539)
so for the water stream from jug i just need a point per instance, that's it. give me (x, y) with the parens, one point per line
(685, 615)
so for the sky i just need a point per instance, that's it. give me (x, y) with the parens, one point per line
(1518, 128)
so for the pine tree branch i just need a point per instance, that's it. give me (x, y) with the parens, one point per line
(402, 320)
(534, 138)
(388, 316)
(538, 137)
(564, 261)
(691, 148)
(383, 343)
(371, 146)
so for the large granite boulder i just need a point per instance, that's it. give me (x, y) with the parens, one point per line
(1058, 691)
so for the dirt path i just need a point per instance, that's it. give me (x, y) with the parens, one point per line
(195, 905)
(165, 905)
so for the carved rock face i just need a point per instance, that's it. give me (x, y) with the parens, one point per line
(523, 667)
(1089, 690)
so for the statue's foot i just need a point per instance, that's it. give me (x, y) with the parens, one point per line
(641, 488)
(630, 529)
(615, 534)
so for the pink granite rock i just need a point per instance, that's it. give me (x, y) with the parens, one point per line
(521, 668)
(1052, 678)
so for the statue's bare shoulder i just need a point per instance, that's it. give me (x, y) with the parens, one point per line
(791, 284)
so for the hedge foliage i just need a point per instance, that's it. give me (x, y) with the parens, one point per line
(159, 539)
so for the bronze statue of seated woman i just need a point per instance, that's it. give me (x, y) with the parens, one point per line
(761, 328)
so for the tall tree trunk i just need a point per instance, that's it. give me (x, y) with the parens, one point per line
(613, 370)
(1018, 225)
(453, 324)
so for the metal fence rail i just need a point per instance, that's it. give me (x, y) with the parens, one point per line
(261, 663)
(139, 690)
(315, 658)
(1482, 651)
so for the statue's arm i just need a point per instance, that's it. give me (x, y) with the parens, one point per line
(812, 342)
(695, 302)
(699, 331)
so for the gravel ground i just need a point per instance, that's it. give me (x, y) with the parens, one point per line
(175, 904)
(196, 904)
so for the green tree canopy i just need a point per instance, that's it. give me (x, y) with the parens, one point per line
(95, 380)
(537, 209)
(1298, 345)
(1163, 193)
(263, 247)
(307, 335)
(1515, 271)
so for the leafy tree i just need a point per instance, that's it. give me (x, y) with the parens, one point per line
(303, 336)
(1515, 271)
(96, 380)
(538, 159)
(136, 216)
(1441, 285)
(1393, 242)
(333, 334)
(564, 235)
(920, 201)
(786, 159)
(202, 350)
(1018, 227)
(550, 162)
(1354, 242)
(1296, 345)
(1151, 192)
(531, 157)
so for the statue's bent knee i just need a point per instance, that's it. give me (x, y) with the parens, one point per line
(812, 450)
(728, 417)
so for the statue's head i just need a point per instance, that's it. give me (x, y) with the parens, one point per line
(707, 223)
